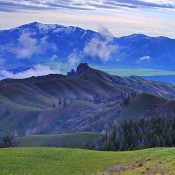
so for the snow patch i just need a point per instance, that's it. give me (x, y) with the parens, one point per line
(46, 27)
(66, 30)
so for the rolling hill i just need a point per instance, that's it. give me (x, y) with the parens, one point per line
(83, 101)
(39, 161)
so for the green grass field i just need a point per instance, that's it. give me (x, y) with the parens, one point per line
(71, 140)
(59, 161)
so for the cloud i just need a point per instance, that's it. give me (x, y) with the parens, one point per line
(143, 3)
(145, 58)
(54, 58)
(27, 46)
(11, 5)
(74, 58)
(38, 70)
(101, 47)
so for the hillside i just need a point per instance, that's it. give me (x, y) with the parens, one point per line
(39, 161)
(147, 105)
(84, 100)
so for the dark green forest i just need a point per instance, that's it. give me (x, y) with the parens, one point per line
(140, 134)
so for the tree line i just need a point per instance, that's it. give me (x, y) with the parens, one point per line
(140, 134)
(8, 141)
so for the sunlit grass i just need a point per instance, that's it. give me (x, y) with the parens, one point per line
(55, 161)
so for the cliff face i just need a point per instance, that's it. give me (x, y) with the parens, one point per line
(82, 68)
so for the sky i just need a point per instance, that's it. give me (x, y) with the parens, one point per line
(121, 17)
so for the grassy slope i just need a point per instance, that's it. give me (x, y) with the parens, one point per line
(54, 161)
(139, 105)
(28, 104)
(72, 140)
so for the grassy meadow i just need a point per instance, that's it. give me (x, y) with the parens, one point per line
(60, 161)
(70, 140)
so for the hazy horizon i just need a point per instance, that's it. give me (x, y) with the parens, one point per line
(121, 17)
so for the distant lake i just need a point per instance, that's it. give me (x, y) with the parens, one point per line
(134, 71)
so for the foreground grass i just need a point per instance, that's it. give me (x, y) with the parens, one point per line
(59, 161)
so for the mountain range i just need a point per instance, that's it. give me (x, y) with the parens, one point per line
(85, 99)
(32, 44)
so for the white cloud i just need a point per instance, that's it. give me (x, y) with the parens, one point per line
(166, 2)
(27, 46)
(74, 58)
(145, 58)
(121, 20)
(101, 47)
(38, 70)
(106, 33)
(87, 4)
(54, 58)
(142, 59)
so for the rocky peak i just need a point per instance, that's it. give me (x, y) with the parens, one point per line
(71, 74)
(83, 67)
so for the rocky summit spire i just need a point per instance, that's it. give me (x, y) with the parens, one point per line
(71, 74)
(83, 67)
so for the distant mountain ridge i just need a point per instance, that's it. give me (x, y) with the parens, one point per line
(36, 43)
(85, 101)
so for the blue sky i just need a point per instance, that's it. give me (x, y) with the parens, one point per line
(122, 17)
